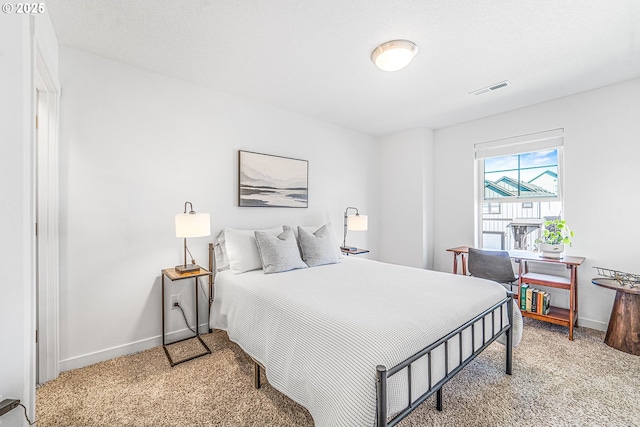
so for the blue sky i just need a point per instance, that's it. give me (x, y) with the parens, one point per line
(540, 159)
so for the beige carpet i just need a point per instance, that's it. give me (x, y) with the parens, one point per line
(555, 382)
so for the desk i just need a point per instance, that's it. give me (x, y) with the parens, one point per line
(459, 251)
(623, 332)
(559, 316)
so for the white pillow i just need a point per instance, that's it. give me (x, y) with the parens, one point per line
(279, 253)
(242, 250)
(317, 248)
(220, 253)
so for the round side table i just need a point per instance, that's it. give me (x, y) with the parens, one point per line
(623, 332)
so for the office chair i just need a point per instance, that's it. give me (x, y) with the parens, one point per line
(492, 265)
(496, 266)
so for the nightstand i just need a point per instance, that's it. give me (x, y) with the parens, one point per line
(173, 275)
(355, 251)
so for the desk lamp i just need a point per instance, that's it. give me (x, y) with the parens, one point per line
(191, 224)
(355, 222)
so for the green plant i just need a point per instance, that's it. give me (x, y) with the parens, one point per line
(556, 232)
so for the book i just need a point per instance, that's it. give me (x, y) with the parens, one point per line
(540, 305)
(534, 300)
(523, 296)
(529, 294)
(547, 303)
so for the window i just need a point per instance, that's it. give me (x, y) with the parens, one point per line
(491, 208)
(520, 183)
(521, 176)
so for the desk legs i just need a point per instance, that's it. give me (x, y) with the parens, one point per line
(455, 263)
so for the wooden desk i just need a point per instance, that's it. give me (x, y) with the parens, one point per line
(461, 251)
(559, 316)
(623, 332)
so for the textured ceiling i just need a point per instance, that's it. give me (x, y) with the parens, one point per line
(312, 56)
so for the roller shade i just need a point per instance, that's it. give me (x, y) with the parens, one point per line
(520, 144)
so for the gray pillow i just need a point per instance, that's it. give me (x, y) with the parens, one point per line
(317, 248)
(278, 253)
(313, 229)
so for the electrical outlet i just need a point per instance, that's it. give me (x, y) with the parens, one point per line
(175, 299)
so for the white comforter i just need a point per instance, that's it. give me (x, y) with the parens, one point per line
(321, 331)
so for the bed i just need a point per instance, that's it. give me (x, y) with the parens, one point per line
(360, 342)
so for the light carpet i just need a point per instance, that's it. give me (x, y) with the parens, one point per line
(555, 382)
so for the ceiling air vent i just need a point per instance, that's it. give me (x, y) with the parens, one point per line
(491, 88)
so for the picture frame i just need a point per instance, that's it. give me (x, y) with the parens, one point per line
(266, 180)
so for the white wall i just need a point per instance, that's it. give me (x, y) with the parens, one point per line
(20, 36)
(15, 205)
(601, 203)
(134, 146)
(406, 198)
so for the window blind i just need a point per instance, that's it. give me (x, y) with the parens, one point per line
(520, 144)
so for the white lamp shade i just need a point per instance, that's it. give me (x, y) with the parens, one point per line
(193, 225)
(394, 55)
(358, 222)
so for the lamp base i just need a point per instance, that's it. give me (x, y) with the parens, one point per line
(190, 268)
(348, 248)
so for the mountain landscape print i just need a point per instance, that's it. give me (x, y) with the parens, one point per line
(272, 181)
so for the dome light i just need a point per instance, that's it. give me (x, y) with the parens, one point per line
(394, 55)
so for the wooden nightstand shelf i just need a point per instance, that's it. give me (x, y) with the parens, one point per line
(172, 274)
(559, 316)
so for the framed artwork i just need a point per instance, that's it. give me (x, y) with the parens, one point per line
(272, 181)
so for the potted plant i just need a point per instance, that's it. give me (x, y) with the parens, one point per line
(555, 236)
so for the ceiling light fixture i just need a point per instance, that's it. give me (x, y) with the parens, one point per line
(394, 55)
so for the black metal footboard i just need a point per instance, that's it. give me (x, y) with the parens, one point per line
(383, 374)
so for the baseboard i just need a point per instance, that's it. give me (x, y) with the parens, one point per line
(125, 349)
(592, 324)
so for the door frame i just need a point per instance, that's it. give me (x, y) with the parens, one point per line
(46, 180)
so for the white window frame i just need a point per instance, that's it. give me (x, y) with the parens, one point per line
(546, 140)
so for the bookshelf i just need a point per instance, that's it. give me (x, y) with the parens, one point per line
(556, 315)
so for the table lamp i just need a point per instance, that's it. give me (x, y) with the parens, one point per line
(355, 222)
(191, 224)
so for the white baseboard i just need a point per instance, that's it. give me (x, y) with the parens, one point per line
(123, 350)
(593, 324)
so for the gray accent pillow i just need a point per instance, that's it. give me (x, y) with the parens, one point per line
(278, 253)
(317, 248)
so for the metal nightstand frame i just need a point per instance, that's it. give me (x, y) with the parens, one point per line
(173, 275)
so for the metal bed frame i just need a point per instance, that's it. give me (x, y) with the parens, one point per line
(383, 374)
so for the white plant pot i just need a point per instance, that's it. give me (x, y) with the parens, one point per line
(551, 251)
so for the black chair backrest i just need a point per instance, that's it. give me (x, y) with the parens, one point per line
(492, 265)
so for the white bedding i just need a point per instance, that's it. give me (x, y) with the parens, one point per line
(320, 332)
